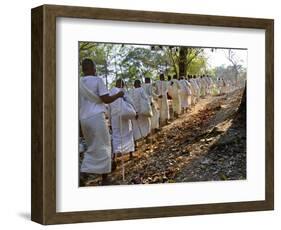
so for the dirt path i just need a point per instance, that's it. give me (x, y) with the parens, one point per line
(203, 144)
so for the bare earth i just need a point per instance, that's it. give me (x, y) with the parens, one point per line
(206, 144)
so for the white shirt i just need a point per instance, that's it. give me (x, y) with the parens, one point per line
(87, 108)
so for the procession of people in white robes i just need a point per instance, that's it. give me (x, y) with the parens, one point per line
(132, 114)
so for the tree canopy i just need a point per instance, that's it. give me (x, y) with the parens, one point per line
(132, 62)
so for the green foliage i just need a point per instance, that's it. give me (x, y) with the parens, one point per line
(131, 62)
(198, 65)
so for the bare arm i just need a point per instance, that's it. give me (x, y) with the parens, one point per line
(108, 99)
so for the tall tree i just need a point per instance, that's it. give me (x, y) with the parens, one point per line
(235, 61)
(184, 59)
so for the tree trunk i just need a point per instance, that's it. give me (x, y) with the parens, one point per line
(182, 61)
(106, 73)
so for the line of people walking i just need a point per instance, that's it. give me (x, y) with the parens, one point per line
(112, 122)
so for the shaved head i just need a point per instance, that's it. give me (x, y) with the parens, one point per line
(146, 80)
(137, 83)
(88, 67)
(119, 83)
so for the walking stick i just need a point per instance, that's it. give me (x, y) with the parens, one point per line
(122, 156)
(121, 133)
(151, 130)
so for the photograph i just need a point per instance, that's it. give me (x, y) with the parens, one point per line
(154, 114)
(144, 114)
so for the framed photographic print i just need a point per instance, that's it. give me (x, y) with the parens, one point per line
(139, 114)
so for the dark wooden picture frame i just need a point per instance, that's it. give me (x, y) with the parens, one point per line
(43, 197)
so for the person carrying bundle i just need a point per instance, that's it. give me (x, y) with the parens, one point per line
(150, 91)
(141, 102)
(203, 88)
(161, 91)
(198, 83)
(169, 88)
(190, 91)
(175, 86)
(184, 93)
(193, 87)
(121, 125)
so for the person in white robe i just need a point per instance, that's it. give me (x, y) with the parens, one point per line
(210, 84)
(122, 130)
(184, 92)
(194, 89)
(150, 91)
(206, 84)
(175, 85)
(142, 124)
(93, 95)
(161, 91)
(215, 88)
(169, 94)
(222, 85)
(190, 92)
(198, 83)
(203, 87)
(170, 89)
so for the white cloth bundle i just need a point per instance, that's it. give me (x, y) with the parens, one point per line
(145, 107)
(127, 110)
(122, 106)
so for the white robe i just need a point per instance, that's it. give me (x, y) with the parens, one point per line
(97, 158)
(162, 90)
(190, 97)
(122, 131)
(221, 85)
(176, 96)
(208, 84)
(170, 89)
(184, 92)
(204, 87)
(142, 125)
(194, 90)
(149, 90)
(198, 83)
